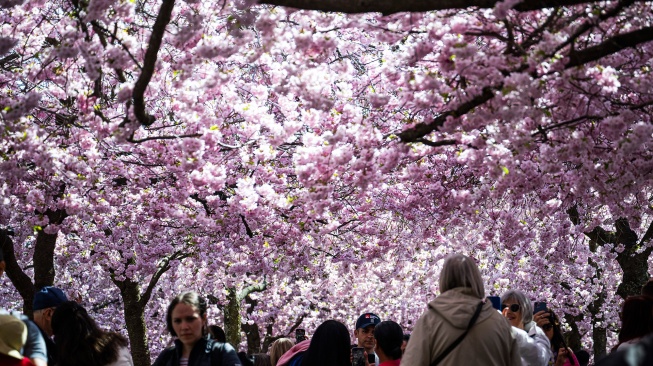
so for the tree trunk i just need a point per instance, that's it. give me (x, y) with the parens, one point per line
(44, 272)
(635, 271)
(232, 322)
(134, 309)
(253, 338)
(600, 338)
(573, 338)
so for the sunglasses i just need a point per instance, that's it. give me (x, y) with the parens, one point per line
(514, 307)
(547, 327)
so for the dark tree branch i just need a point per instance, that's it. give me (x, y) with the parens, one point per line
(18, 278)
(131, 139)
(436, 143)
(205, 204)
(610, 46)
(392, 6)
(647, 236)
(163, 267)
(420, 130)
(249, 231)
(149, 63)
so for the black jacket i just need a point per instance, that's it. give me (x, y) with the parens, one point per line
(206, 352)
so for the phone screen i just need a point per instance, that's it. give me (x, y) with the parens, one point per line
(300, 335)
(539, 306)
(496, 302)
(358, 356)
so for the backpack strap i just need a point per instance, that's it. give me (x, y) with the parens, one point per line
(462, 336)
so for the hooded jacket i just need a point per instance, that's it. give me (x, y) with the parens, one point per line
(295, 350)
(488, 342)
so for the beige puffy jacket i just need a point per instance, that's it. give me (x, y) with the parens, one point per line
(489, 342)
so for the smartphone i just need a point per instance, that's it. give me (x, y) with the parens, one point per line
(371, 359)
(300, 335)
(358, 356)
(539, 306)
(496, 302)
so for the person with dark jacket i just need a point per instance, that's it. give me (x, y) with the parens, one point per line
(186, 320)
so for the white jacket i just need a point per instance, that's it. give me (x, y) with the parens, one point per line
(534, 347)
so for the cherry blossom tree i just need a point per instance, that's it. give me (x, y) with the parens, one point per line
(329, 154)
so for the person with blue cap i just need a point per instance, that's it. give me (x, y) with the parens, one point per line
(364, 334)
(45, 303)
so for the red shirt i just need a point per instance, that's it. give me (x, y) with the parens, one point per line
(10, 361)
(391, 363)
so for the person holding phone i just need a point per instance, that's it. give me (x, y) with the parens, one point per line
(548, 321)
(534, 347)
(364, 334)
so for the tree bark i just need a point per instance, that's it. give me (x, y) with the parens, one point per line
(232, 321)
(392, 6)
(134, 309)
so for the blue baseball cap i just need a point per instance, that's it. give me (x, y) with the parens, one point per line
(49, 297)
(366, 320)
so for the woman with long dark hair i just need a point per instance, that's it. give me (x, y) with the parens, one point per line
(81, 342)
(329, 346)
(550, 324)
(186, 320)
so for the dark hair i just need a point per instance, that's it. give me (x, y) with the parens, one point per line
(245, 359)
(329, 346)
(189, 298)
(80, 341)
(262, 359)
(647, 289)
(636, 318)
(217, 333)
(557, 341)
(389, 337)
(407, 337)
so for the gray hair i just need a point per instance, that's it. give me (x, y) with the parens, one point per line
(461, 271)
(524, 304)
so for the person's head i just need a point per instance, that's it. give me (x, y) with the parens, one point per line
(13, 334)
(46, 301)
(217, 333)
(186, 318)
(278, 348)
(329, 346)
(389, 338)
(461, 271)
(364, 331)
(404, 344)
(517, 308)
(583, 357)
(79, 340)
(647, 289)
(261, 359)
(553, 331)
(245, 359)
(636, 318)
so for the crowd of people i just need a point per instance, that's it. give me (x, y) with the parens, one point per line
(460, 327)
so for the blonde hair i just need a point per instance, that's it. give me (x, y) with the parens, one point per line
(278, 348)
